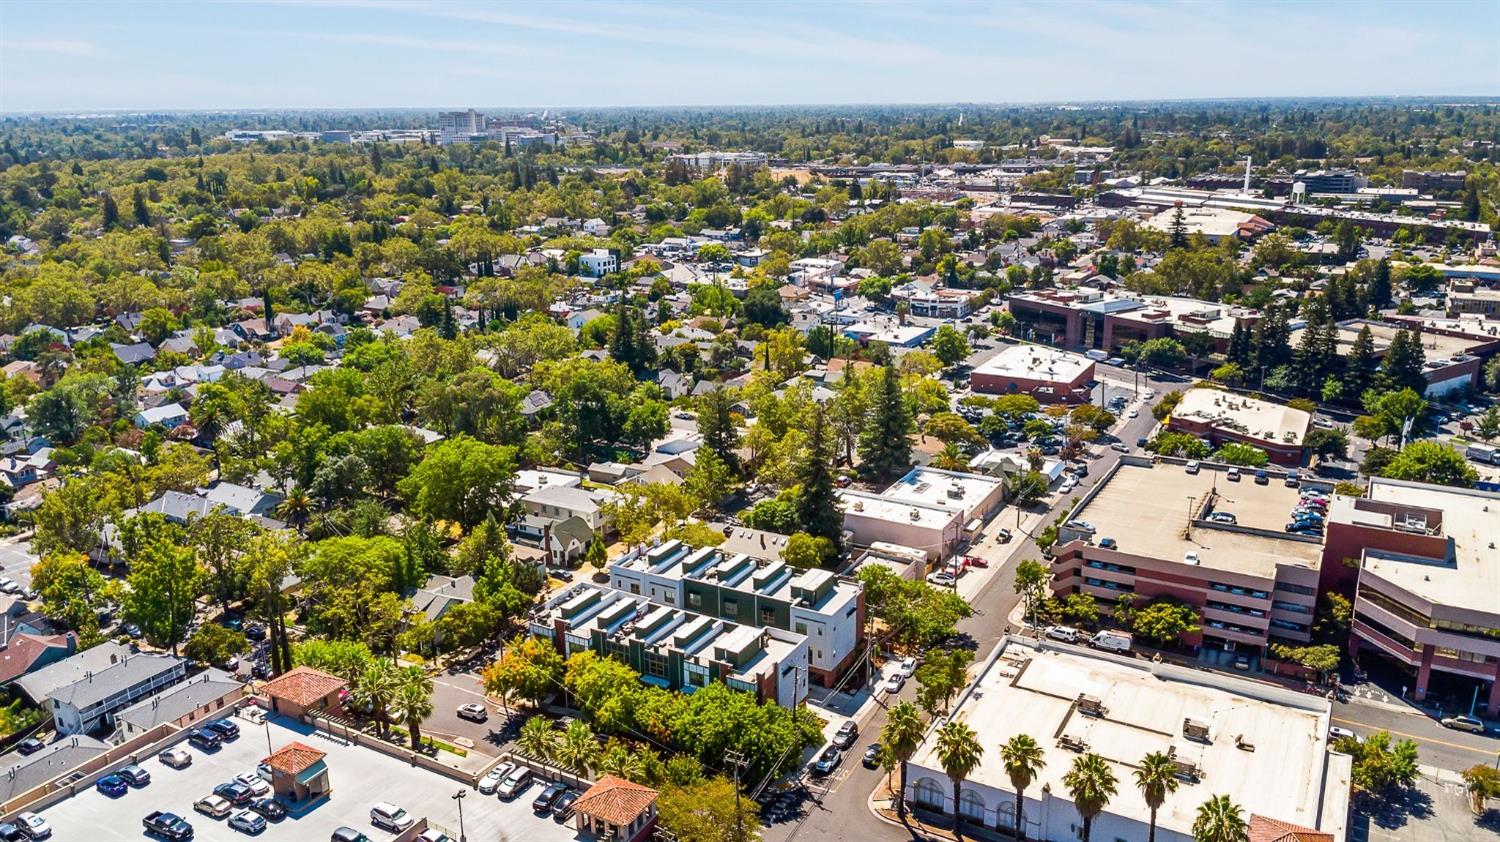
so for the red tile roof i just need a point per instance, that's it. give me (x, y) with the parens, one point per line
(615, 800)
(1263, 829)
(294, 758)
(302, 686)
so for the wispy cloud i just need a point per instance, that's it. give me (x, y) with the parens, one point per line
(56, 47)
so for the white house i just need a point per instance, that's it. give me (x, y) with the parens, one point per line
(168, 415)
(598, 263)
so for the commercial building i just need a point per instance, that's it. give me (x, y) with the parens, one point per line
(1253, 583)
(1222, 417)
(933, 528)
(1331, 181)
(460, 126)
(1047, 374)
(825, 608)
(1466, 298)
(1264, 744)
(1426, 584)
(707, 162)
(1433, 180)
(1452, 361)
(1214, 224)
(673, 648)
(1089, 318)
(977, 497)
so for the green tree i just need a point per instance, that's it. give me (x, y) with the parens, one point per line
(1324, 658)
(1482, 782)
(717, 426)
(709, 481)
(708, 811)
(1360, 365)
(1156, 778)
(412, 703)
(817, 505)
(885, 442)
(1488, 426)
(1220, 820)
(959, 752)
(808, 551)
(1091, 784)
(1247, 455)
(1430, 461)
(1031, 583)
(950, 345)
(462, 480)
(539, 738)
(1023, 759)
(529, 667)
(942, 674)
(1403, 366)
(1164, 620)
(373, 690)
(215, 644)
(578, 750)
(1327, 444)
(900, 737)
(164, 580)
(72, 592)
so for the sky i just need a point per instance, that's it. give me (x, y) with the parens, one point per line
(73, 55)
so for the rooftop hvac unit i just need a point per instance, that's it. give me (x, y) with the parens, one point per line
(956, 492)
(1090, 705)
(1072, 743)
(859, 505)
(1185, 768)
(1194, 729)
(915, 515)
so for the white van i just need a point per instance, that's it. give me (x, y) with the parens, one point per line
(1111, 641)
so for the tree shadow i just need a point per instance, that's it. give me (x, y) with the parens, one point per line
(509, 730)
(1489, 820)
(1393, 810)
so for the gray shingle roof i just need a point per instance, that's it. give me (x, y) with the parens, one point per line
(39, 684)
(179, 700)
(116, 678)
(23, 774)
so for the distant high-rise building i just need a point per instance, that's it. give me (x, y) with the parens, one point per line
(459, 126)
(1332, 181)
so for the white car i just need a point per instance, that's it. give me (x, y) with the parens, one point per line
(942, 578)
(490, 782)
(907, 668)
(258, 785)
(177, 758)
(1336, 733)
(1068, 485)
(1135, 413)
(1067, 634)
(33, 826)
(894, 684)
(390, 817)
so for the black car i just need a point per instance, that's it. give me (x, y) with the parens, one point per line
(235, 793)
(872, 756)
(132, 631)
(562, 808)
(260, 670)
(270, 809)
(9, 832)
(224, 728)
(30, 745)
(256, 632)
(543, 802)
(827, 761)
(205, 739)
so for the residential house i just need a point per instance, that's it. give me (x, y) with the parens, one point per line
(91, 701)
(167, 415)
(136, 354)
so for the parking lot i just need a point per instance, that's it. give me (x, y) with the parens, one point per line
(358, 776)
(16, 559)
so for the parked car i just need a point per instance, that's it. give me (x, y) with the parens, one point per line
(177, 758)
(272, 809)
(894, 684)
(112, 785)
(1293, 479)
(235, 793)
(827, 761)
(1336, 733)
(1120, 446)
(1262, 478)
(515, 783)
(1221, 517)
(348, 834)
(942, 579)
(1003, 536)
(976, 561)
(30, 745)
(1233, 475)
(385, 815)
(10, 833)
(1192, 467)
(135, 775)
(473, 711)
(259, 786)
(1241, 662)
(1080, 525)
(562, 808)
(213, 806)
(846, 734)
(256, 632)
(206, 740)
(1066, 634)
(224, 728)
(491, 781)
(167, 826)
(1068, 485)
(1108, 543)
(33, 826)
(247, 822)
(1464, 723)
(543, 801)
(907, 668)
(131, 631)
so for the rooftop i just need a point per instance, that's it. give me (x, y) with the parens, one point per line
(1253, 418)
(114, 679)
(915, 512)
(1145, 509)
(181, 699)
(1435, 346)
(615, 800)
(933, 486)
(772, 578)
(71, 669)
(294, 758)
(1469, 576)
(1036, 362)
(302, 686)
(1034, 689)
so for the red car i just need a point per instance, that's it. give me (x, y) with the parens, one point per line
(976, 561)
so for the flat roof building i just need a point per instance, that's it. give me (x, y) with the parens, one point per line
(673, 648)
(1213, 223)
(1222, 416)
(1426, 583)
(1089, 318)
(1047, 374)
(934, 528)
(977, 496)
(827, 609)
(1253, 583)
(1266, 745)
(1452, 361)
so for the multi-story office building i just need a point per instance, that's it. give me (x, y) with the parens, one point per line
(1422, 563)
(1088, 318)
(674, 648)
(460, 126)
(1332, 181)
(1221, 417)
(1432, 180)
(1146, 530)
(825, 608)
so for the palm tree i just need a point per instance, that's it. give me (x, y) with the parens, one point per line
(620, 761)
(1023, 759)
(295, 507)
(578, 750)
(958, 749)
(950, 458)
(1156, 778)
(1220, 820)
(1091, 784)
(413, 702)
(374, 688)
(899, 738)
(538, 738)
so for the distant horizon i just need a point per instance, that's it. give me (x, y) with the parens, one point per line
(300, 55)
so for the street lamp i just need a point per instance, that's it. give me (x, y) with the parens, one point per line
(459, 797)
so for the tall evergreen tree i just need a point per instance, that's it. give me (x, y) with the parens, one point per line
(885, 441)
(138, 208)
(1239, 345)
(111, 212)
(716, 425)
(1360, 365)
(1379, 290)
(1469, 208)
(1177, 231)
(818, 512)
(1403, 365)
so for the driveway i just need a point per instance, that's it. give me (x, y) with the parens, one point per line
(492, 736)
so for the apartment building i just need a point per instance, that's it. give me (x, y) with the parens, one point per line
(1083, 317)
(674, 648)
(1422, 564)
(1146, 530)
(1221, 417)
(93, 699)
(817, 604)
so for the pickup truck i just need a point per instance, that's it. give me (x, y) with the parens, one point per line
(167, 826)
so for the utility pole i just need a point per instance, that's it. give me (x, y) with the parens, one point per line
(737, 760)
(459, 797)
